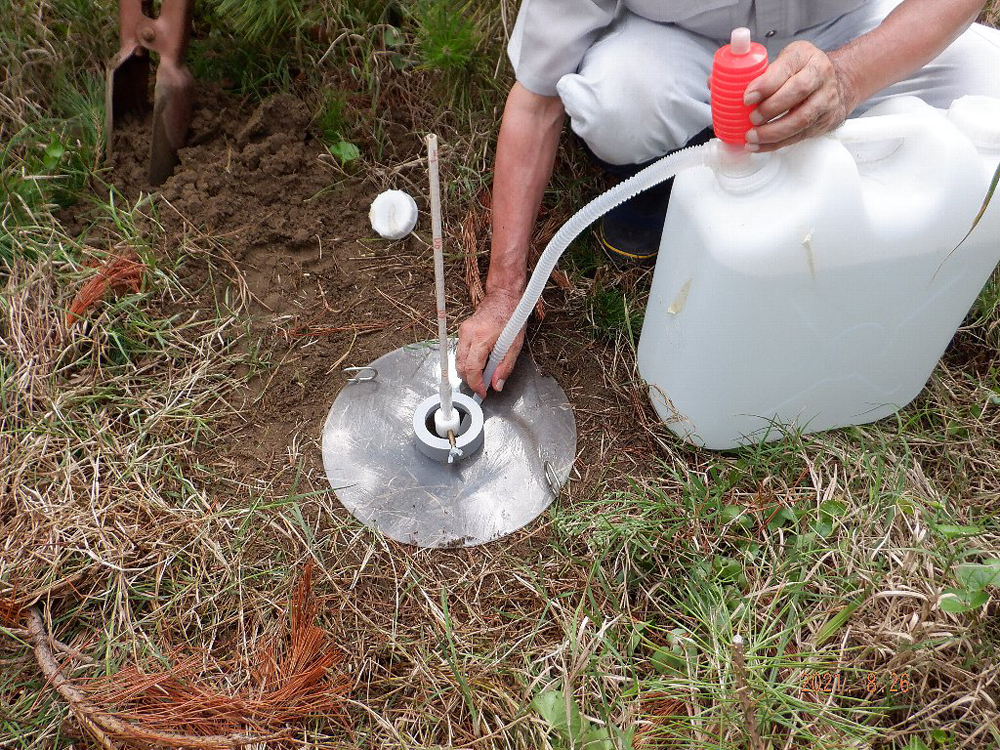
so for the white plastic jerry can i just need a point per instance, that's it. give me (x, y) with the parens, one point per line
(818, 286)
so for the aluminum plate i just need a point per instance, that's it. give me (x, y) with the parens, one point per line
(385, 482)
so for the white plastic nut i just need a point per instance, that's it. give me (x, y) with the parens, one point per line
(440, 449)
(443, 426)
(393, 214)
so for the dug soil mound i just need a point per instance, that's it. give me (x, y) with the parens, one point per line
(325, 293)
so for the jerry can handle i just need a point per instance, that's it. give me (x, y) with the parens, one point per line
(882, 136)
(882, 128)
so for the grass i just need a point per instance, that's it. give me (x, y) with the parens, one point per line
(612, 313)
(853, 564)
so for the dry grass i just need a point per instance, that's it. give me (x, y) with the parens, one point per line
(991, 14)
(827, 553)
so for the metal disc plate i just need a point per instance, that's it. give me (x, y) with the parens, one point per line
(384, 481)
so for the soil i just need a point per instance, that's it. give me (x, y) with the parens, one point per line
(325, 293)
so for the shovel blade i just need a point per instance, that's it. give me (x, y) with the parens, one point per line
(127, 89)
(173, 97)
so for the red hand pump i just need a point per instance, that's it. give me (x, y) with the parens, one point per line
(733, 68)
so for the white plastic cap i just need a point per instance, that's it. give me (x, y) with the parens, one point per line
(443, 426)
(393, 214)
(739, 42)
(978, 117)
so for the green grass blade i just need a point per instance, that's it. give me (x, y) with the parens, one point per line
(982, 209)
(835, 623)
(978, 217)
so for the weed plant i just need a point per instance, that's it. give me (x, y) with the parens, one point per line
(261, 23)
(446, 39)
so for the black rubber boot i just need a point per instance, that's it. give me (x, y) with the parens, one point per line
(631, 233)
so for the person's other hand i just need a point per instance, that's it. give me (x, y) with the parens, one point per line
(478, 334)
(803, 93)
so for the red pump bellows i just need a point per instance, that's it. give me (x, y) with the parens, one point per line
(733, 68)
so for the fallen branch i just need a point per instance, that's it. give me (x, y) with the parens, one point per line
(295, 677)
(100, 725)
(749, 715)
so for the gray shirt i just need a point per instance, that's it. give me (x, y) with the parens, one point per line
(551, 36)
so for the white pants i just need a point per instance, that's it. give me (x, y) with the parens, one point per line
(642, 89)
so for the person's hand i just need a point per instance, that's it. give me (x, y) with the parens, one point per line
(478, 334)
(808, 88)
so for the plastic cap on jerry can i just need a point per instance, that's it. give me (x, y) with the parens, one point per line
(979, 118)
(733, 68)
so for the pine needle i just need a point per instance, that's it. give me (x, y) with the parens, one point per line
(118, 274)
